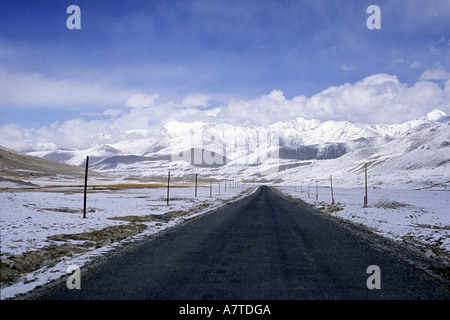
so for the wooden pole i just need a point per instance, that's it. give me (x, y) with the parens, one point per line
(85, 186)
(168, 187)
(196, 185)
(365, 188)
(331, 182)
(210, 188)
(317, 192)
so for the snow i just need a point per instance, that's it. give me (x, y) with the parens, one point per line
(437, 115)
(28, 218)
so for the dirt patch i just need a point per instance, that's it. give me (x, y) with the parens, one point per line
(427, 226)
(390, 205)
(329, 208)
(13, 268)
(153, 217)
(135, 219)
(66, 210)
(18, 182)
(98, 238)
(134, 185)
(178, 213)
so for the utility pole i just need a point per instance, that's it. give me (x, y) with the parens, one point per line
(317, 192)
(196, 185)
(85, 186)
(168, 187)
(365, 188)
(331, 182)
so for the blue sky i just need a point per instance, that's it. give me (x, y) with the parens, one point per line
(167, 60)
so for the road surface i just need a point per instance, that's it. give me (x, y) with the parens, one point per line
(261, 247)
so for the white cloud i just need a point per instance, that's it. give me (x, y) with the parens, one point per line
(140, 100)
(415, 65)
(29, 90)
(213, 112)
(14, 137)
(446, 102)
(112, 112)
(379, 98)
(197, 100)
(435, 74)
(331, 50)
(108, 113)
(444, 41)
(262, 111)
(347, 68)
(144, 116)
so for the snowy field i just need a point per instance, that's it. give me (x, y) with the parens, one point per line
(29, 218)
(421, 217)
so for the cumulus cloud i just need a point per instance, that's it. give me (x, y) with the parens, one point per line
(140, 100)
(197, 100)
(111, 112)
(415, 65)
(379, 98)
(213, 112)
(435, 74)
(144, 118)
(14, 137)
(262, 111)
(446, 102)
(108, 113)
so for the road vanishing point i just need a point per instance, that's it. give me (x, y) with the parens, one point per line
(262, 247)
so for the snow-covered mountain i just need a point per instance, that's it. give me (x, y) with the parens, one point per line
(300, 149)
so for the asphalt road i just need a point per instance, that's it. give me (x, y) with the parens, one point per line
(263, 247)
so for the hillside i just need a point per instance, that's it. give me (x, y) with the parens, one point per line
(17, 164)
(419, 158)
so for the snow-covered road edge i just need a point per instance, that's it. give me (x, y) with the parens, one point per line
(417, 217)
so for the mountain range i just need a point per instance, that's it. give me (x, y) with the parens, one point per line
(415, 153)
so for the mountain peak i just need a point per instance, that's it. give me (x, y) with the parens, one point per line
(438, 116)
